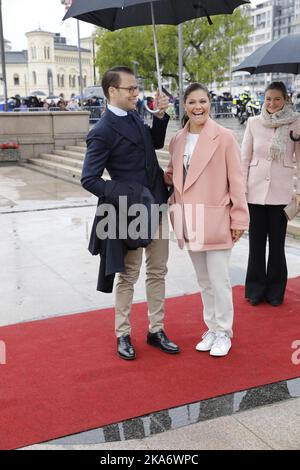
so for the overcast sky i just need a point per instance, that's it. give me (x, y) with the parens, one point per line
(21, 16)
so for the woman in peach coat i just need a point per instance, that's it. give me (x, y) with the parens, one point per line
(208, 210)
(268, 165)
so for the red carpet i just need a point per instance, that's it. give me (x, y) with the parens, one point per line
(63, 375)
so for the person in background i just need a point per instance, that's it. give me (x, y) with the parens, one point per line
(72, 105)
(268, 167)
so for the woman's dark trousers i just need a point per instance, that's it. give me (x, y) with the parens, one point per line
(269, 282)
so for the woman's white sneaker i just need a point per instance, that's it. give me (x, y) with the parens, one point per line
(221, 345)
(208, 339)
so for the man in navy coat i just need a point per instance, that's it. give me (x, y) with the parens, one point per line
(125, 147)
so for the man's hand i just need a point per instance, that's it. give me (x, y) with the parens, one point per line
(236, 235)
(161, 102)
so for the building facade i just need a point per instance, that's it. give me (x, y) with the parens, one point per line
(49, 65)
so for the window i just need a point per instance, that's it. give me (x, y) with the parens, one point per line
(34, 78)
(47, 52)
(33, 52)
(72, 81)
(260, 37)
(16, 80)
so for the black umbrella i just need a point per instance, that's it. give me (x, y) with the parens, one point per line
(281, 55)
(118, 14)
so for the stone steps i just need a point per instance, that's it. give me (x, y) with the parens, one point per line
(293, 228)
(79, 156)
(49, 167)
(67, 164)
(60, 159)
(75, 149)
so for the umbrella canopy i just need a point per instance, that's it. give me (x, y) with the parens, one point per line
(118, 14)
(281, 55)
(91, 91)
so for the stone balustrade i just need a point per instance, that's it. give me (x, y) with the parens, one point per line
(43, 131)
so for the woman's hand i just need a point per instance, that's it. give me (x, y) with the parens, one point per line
(236, 235)
(297, 199)
(168, 179)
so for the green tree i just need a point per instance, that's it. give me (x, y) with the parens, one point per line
(125, 46)
(206, 48)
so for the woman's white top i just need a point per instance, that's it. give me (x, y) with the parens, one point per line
(191, 141)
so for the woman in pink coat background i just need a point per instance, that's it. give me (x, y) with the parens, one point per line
(268, 155)
(208, 210)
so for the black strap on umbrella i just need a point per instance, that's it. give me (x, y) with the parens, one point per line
(198, 6)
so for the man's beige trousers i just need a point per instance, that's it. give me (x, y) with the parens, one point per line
(156, 269)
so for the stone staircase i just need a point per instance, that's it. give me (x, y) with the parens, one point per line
(67, 164)
(64, 164)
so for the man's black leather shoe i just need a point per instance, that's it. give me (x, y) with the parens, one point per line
(274, 302)
(161, 341)
(255, 301)
(125, 348)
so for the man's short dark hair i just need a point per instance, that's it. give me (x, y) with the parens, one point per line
(112, 78)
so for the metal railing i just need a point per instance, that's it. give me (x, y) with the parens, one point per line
(95, 111)
(222, 109)
(39, 109)
(218, 109)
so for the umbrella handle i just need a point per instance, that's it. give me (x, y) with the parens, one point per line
(153, 111)
(295, 139)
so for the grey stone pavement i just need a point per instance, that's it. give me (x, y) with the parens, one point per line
(46, 271)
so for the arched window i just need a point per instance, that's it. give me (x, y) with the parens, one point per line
(16, 80)
(46, 52)
(33, 52)
(60, 80)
